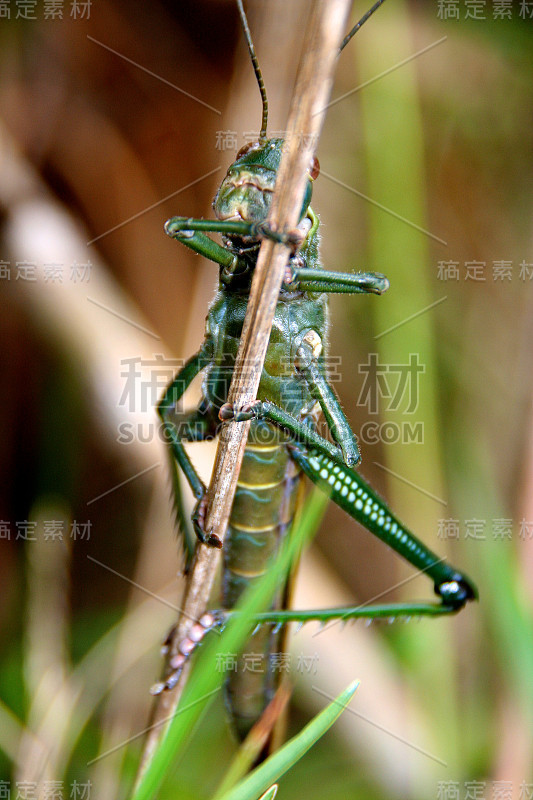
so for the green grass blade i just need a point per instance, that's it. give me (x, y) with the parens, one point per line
(255, 741)
(270, 793)
(276, 765)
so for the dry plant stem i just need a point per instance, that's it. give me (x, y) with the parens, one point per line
(327, 21)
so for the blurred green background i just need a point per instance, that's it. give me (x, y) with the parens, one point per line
(116, 116)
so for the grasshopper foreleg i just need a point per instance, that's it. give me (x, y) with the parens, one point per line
(195, 239)
(320, 280)
(192, 233)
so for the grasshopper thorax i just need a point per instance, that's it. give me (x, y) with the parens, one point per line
(246, 192)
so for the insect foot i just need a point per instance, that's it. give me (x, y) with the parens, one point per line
(229, 412)
(176, 227)
(457, 591)
(292, 239)
(198, 520)
(208, 622)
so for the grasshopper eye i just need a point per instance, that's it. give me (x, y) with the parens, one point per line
(246, 149)
(314, 168)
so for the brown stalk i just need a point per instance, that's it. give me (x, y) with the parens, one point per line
(327, 21)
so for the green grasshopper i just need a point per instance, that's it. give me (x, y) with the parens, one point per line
(283, 443)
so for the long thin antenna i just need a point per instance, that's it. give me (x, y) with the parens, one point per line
(257, 70)
(359, 24)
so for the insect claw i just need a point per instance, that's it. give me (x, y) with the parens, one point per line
(172, 680)
(229, 412)
(351, 455)
(249, 411)
(226, 412)
(169, 226)
(292, 238)
(384, 284)
(174, 228)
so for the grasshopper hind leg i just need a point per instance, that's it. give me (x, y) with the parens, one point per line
(209, 621)
(351, 492)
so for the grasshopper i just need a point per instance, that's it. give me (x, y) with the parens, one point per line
(283, 443)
